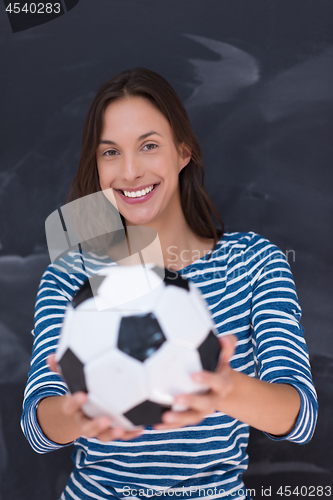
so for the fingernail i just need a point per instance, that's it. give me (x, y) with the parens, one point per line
(197, 377)
(118, 432)
(169, 417)
(80, 399)
(104, 422)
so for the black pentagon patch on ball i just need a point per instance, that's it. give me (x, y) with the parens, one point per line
(146, 413)
(171, 277)
(72, 371)
(209, 352)
(140, 336)
(85, 291)
(159, 271)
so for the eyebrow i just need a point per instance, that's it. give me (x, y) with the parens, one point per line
(141, 138)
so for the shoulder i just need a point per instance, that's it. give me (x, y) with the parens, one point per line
(233, 246)
(243, 240)
(250, 244)
(68, 273)
(250, 252)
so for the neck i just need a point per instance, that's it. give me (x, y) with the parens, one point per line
(180, 245)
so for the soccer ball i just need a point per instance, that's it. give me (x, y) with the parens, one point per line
(131, 338)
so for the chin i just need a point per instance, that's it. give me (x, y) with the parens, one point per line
(142, 221)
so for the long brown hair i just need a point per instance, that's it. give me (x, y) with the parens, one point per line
(195, 202)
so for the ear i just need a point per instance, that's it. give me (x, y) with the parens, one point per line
(185, 155)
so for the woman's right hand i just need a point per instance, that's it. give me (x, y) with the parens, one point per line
(98, 427)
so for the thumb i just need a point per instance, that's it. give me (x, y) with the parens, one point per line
(50, 360)
(228, 347)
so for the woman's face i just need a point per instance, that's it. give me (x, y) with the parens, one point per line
(137, 152)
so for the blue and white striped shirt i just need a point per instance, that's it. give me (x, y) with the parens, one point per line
(250, 292)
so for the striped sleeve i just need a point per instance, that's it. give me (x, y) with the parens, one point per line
(280, 350)
(54, 292)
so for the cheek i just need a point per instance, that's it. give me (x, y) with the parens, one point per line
(167, 167)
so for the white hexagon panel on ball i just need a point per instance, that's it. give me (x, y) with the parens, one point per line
(131, 289)
(77, 334)
(116, 380)
(169, 372)
(179, 318)
(95, 408)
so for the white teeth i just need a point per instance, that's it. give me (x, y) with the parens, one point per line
(138, 194)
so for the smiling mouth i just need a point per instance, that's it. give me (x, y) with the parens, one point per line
(138, 194)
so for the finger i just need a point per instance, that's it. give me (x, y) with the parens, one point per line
(73, 403)
(92, 428)
(176, 419)
(219, 383)
(132, 434)
(228, 347)
(202, 403)
(165, 427)
(50, 360)
(111, 434)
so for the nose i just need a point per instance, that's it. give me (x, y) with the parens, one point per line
(132, 168)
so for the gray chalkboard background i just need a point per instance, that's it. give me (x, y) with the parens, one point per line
(256, 77)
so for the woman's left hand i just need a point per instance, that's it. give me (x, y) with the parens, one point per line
(220, 385)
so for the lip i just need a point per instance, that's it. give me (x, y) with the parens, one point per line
(142, 199)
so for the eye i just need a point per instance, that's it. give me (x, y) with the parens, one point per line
(150, 146)
(110, 152)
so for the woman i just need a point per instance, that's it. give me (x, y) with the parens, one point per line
(138, 142)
